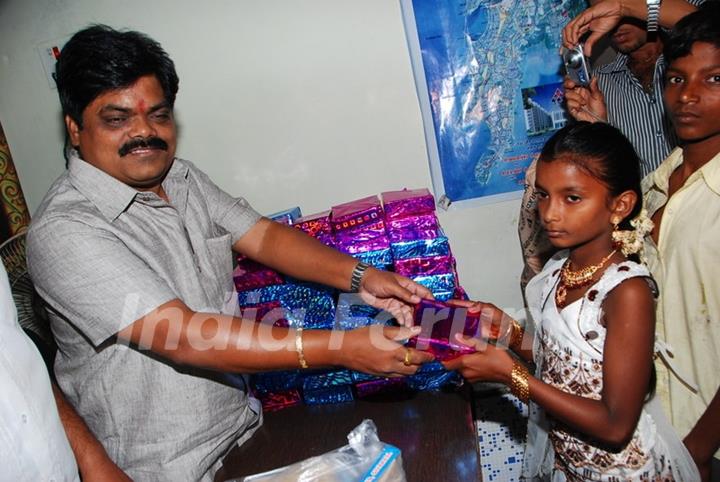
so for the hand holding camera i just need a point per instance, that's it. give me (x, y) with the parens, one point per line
(583, 98)
(576, 65)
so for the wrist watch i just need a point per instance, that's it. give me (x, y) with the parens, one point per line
(653, 15)
(356, 276)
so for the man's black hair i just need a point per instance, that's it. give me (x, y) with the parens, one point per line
(702, 25)
(99, 59)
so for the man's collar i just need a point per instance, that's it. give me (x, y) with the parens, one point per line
(620, 64)
(108, 194)
(660, 177)
(710, 172)
(112, 197)
(617, 65)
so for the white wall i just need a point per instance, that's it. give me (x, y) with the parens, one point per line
(286, 102)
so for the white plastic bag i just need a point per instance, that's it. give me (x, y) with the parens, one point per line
(364, 459)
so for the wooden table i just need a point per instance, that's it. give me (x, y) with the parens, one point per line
(434, 430)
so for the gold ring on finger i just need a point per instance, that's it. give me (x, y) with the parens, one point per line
(406, 360)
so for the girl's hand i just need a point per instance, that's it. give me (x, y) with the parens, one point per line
(494, 323)
(489, 364)
(375, 350)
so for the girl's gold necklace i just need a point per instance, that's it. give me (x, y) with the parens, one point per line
(575, 279)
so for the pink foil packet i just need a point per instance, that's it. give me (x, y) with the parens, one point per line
(408, 202)
(424, 266)
(249, 275)
(315, 225)
(274, 401)
(364, 214)
(440, 323)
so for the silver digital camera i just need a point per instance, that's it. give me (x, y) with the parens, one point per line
(576, 66)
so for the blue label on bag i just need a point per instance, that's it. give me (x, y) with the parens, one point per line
(386, 457)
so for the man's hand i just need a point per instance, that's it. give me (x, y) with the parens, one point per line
(585, 103)
(604, 16)
(92, 460)
(376, 350)
(702, 459)
(704, 439)
(392, 292)
(599, 19)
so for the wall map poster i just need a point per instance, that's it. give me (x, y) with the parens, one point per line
(488, 74)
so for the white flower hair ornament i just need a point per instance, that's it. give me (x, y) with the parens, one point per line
(631, 241)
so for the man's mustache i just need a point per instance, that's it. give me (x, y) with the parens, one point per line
(149, 142)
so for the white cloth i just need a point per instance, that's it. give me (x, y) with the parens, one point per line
(686, 265)
(33, 445)
(569, 354)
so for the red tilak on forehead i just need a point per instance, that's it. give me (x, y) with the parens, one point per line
(141, 106)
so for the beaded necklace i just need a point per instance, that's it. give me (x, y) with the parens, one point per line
(576, 279)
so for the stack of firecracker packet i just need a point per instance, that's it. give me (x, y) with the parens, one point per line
(399, 234)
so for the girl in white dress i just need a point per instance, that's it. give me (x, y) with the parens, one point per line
(593, 414)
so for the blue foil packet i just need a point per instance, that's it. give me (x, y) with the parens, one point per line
(305, 306)
(325, 396)
(288, 216)
(380, 259)
(331, 378)
(276, 381)
(437, 283)
(433, 380)
(421, 248)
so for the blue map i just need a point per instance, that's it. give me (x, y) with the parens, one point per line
(489, 79)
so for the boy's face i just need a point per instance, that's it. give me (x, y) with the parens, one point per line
(692, 94)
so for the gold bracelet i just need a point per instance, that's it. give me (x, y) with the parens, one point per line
(516, 335)
(519, 385)
(299, 347)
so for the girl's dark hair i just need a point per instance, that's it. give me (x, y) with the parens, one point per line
(702, 25)
(99, 59)
(603, 152)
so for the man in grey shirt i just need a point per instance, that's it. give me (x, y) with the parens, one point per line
(132, 250)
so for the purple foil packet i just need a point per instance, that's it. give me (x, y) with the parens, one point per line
(381, 385)
(408, 202)
(412, 228)
(352, 246)
(440, 323)
(365, 232)
(424, 266)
